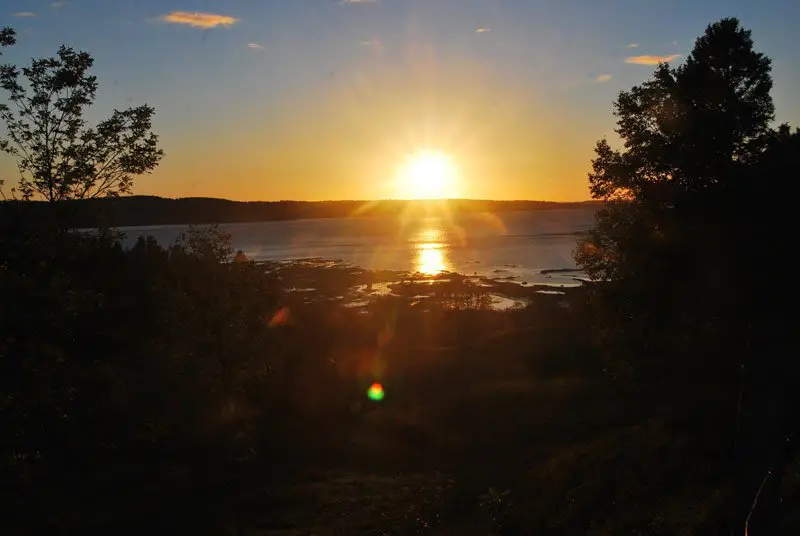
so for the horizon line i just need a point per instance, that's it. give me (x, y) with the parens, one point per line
(429, 200)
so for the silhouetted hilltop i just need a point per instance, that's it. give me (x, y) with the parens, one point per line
(152, 210)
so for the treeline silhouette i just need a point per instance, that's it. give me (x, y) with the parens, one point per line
(151, 210)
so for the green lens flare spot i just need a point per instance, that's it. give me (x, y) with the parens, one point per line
(375, 392)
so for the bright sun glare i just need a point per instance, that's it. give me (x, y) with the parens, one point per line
(427, 174)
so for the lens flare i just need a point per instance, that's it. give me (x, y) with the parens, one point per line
(375, 392)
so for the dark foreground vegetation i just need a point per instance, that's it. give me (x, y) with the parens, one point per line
(157, 389)
(189, 390)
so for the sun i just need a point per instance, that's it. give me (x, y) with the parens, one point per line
(427, 174)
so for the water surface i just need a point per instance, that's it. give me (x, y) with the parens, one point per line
(514, 245)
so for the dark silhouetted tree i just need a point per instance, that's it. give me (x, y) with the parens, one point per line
(683, 245)
(210, 244)
(7, 37)
(59, 157)
(690, 136)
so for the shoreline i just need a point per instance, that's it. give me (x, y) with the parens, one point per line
(331, 281)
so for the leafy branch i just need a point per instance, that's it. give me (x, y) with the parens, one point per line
(59, 157)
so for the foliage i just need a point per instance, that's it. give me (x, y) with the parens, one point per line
(7, 37)
(495, 504)
(685, 131)
(210, 244)
(97, 329)
(58, 156)
(167, 363)
(680, 256)
(667, 241)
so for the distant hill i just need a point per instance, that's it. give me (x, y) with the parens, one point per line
(152, 210)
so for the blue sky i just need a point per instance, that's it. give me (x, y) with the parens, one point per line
(321, 99)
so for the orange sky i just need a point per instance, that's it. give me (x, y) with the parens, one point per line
(316, 99)
(347, 142)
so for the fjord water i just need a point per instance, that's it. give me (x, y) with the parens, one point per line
(518, 245)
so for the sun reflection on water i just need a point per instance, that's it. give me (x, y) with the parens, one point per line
(431, 258)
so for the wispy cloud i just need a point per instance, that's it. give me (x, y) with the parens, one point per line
(482, 29)
(603, 78)
(24, 14)
(357, 1)
(651, 60)
(374, 44)
(57, 4)
(633, 45)
(255, 46)
(199, 20)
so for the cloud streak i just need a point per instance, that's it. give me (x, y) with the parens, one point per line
(24, 14)
(482, 29)
(651, 60)
(255, 46)
(603, 78)
(199, 20)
